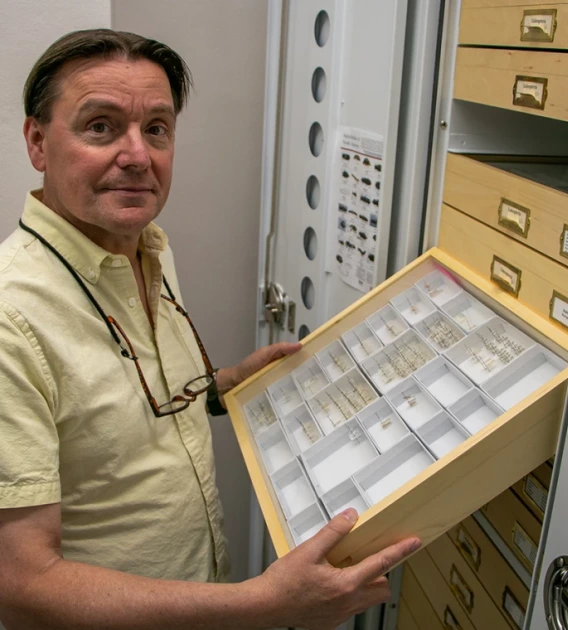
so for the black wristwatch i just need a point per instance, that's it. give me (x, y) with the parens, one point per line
(214, 406)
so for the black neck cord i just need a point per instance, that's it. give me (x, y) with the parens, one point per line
(80, 281)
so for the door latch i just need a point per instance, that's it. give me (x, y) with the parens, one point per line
(556, 594)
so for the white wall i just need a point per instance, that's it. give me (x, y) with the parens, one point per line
(27, 27)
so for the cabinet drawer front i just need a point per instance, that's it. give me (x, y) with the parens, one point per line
(417, 602)
(448, 609)
(493, 571)
(529, 212)
(529, 25)
(534, 82)
(518, 527)
(532, 489)
(405, 618)
(517, 269)
(467, 588)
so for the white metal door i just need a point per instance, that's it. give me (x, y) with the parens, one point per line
(548, 607)
(342, 66)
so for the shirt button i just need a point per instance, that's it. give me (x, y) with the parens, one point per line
(91, 274)
(131, 301)
(117, 262)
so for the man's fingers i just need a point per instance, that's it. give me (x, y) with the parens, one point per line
(282, 349)
(325, 540)
(380, 563)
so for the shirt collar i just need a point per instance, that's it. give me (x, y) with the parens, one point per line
(83, 255)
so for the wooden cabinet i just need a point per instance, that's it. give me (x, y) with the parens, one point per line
(514, 23)
(525, 199)
(520, 80)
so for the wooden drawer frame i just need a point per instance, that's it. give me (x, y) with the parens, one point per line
(478, 246)
(454, 486)
(417, 602)
(489, 76)
(498, 23)
(467, 587)
(492, 570)
(512, 519)
(479, 189)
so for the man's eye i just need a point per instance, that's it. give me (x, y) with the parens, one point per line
(99, 127)
(157, 130)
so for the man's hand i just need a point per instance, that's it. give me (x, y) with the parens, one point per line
(310, 593)
(227, 378)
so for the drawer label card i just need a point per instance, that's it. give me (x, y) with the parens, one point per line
(506, 276)
(513, 609)
(535, 492)
(538, 25)
(450, 620)
(564, 242)
(530, 92)
(525, 546)
(514, 217)
(461, 589)
(468, 548)
(559, 309)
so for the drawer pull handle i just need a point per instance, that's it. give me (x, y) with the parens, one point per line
(461, 589)
(506, 276)
(538, 25)
(514, 217)
(468, 548)
(450, 621)
(530, 92)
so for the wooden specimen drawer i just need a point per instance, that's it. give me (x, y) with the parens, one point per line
(445, 604)
(518, 527)
(389, 436)
(417, 603)
(532, 490)
(525, 200)
(534, 82)
(514, 23)
(533, 279)
(405, 619)
(502, 584)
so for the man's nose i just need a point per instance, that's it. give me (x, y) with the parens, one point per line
(134, 151)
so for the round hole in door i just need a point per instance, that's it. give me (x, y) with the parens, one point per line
(310, 243)
(304, 331)
(308, 292)
(322, 28)
(313, 191)
(316, 139)
(319, 84)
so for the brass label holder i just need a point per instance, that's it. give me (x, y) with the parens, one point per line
(530, 92)
(506, 276)
(514, 217)
(539, 25)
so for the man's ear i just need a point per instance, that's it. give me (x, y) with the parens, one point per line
(34, 133)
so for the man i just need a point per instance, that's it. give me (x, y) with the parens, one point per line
(109, 514)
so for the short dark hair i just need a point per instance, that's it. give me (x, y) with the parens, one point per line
(41, 85)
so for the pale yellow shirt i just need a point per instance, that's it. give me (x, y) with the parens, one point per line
(137, 492)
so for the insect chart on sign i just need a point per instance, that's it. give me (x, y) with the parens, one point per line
(359, 165)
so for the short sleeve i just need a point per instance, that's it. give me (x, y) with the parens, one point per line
(29, 445)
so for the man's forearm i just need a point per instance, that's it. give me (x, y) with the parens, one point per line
(70, 595)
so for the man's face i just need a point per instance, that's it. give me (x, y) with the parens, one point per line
(107, 152)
